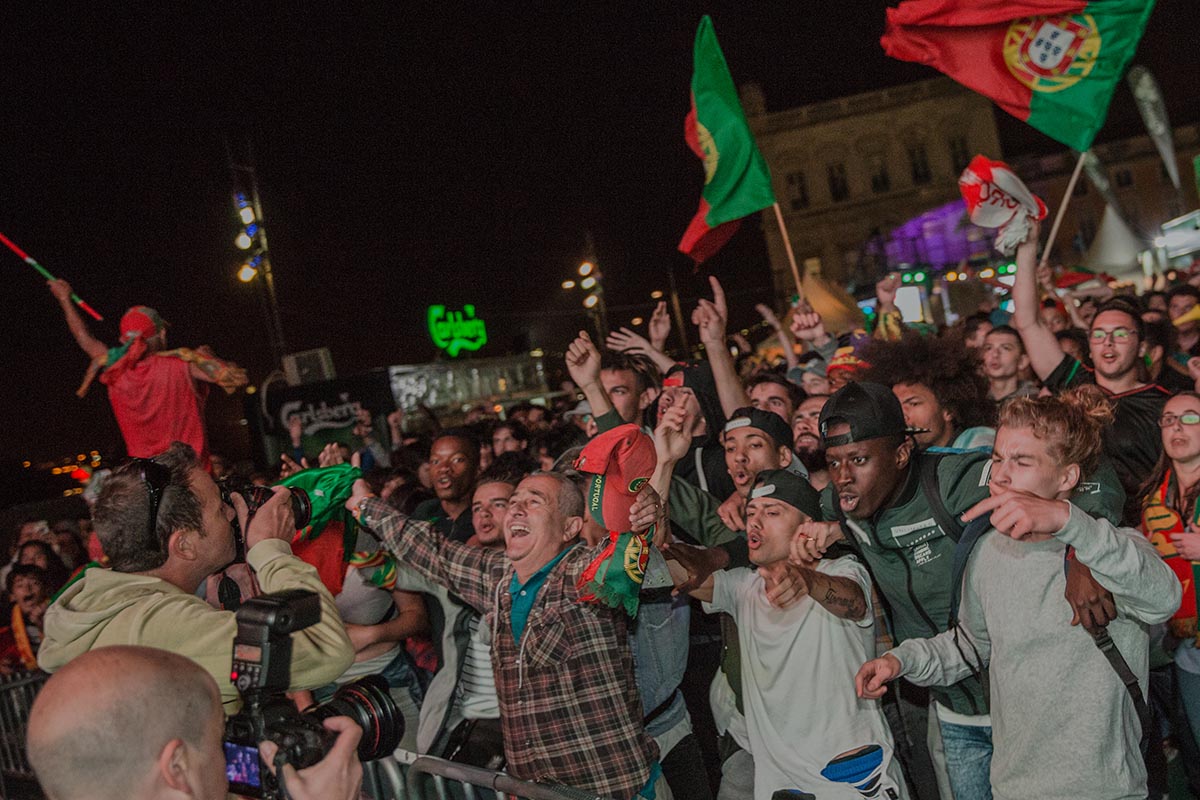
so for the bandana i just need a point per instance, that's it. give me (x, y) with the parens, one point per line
(996, 198)
(1159, 521)
(845, 358)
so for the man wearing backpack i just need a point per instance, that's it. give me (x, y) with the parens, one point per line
(898, 509)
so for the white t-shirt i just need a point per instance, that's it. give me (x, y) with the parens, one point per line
(809, 730)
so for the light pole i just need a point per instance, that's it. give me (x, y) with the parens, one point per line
(591, 280)
(253, 239)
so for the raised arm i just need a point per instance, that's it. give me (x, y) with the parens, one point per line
(583, 363)
(839, 595)
(83, 337)
(1045, 354)
(627, 340)
(710, 318)
(785, 336)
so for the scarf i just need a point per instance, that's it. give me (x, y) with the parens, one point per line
(21, 636)
(1159, 520)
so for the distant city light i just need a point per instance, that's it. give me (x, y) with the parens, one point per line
(636, 321)
(656, 294)
(587, 282)
(586, 268)
(568, 284)
(247, 273)
(591, 301)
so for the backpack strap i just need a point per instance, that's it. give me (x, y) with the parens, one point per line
(962, 553)
(928, 466)
(1121, 667)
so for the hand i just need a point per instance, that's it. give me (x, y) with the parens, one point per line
(628, 341)
(360, 491)
(337, 776)
(885, 292)
(1092, 605)
(273, 520)
(61, 290)
(647, 509)
(330, 455)
(785, 587)
(697, 562)
(768, 316)
(288, 466)
(812, 539)
(1193, 368)
(583, 361)
(361, 636)
(743, 344)
(711, 317)
(1029, 247)
(395, 420)
(733, 512)
(1187, 544)
(659, 327)
(671, 442)
(1045, 278)
(295, 429)
(1021, 515)
(872, 678)
(808, 327)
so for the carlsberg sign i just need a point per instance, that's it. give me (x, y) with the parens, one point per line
(455, 331)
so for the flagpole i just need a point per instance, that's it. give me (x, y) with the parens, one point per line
(1062, 207)
(787, 244)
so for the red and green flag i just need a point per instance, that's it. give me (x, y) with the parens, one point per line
(1051, 63)
(736, 180)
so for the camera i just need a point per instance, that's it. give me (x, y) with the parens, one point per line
(256, 497)
(262, 657)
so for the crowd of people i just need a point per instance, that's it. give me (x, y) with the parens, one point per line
(897, 563)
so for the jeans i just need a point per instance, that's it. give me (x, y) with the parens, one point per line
(968, 759)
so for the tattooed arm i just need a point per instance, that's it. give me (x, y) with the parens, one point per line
(842, 597)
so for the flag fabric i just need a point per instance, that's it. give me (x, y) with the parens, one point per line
(996, 198)
(1051, 63)
(736, 180)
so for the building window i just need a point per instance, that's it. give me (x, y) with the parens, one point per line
(960, 156)
(881, 182)
(918, 160)
(797, 190)
(1124, 178)
(839, 187)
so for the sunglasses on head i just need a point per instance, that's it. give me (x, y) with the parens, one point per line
(1186, 418)
(157, 478)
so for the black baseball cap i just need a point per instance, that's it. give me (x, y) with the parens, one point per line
(787, 487)
(870, 409)
(768, 422)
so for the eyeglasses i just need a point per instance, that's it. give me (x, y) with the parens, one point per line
(157, 478)
(1119, 335)
(1186, 418)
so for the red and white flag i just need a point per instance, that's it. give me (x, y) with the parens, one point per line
(996, 198)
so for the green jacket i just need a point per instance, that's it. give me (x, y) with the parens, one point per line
(911, 555)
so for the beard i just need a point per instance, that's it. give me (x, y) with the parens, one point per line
(813, 460)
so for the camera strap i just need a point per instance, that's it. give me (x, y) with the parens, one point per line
(1109, 648)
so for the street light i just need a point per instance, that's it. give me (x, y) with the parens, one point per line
(587, 283)
(247, 273)
(656, 294)
(246, 214)
(586, 268)
(243, 241)
(568, 284)
(247, 207)
(590, 301)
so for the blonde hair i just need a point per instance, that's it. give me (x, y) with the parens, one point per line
(1071, 423)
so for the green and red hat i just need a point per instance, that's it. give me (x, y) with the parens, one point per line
(620, 462)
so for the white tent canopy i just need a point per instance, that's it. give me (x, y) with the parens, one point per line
(1115, 249)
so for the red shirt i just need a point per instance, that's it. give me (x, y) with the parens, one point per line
(156, 402)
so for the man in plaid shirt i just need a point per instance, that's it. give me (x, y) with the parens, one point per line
(569, 704)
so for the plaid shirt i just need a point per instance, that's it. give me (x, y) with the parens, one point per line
(569, 704)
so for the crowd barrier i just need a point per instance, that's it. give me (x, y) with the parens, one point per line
(16, 698)
(409, 776)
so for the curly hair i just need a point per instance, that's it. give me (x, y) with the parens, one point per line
(945, 365)
(1071, 422)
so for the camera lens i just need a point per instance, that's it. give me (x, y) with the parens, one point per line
(368, 703)
(301, 507)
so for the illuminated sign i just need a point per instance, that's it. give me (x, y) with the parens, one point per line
(455, 331)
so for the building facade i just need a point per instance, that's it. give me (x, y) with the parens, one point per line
(850, 169)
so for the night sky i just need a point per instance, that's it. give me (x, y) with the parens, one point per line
(406, 156)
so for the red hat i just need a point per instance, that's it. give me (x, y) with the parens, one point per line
(620, 461)
(141, 321)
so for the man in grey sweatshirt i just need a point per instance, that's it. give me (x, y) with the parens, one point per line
(1064, 725)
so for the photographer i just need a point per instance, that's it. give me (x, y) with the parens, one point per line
(136, 723)
(165, 529)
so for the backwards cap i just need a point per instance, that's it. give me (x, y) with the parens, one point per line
(787, 487)
(870, 409)
(768, 422)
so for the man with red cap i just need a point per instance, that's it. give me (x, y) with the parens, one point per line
(156, 394)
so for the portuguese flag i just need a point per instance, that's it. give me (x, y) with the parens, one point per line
(1051, 63)
(736, 180)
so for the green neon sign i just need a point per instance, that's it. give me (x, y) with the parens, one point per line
(455, 331)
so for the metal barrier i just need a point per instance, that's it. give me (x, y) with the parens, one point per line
(409, 776)
(16, 698)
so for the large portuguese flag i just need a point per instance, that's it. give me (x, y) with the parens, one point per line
(736, 180)
(1052, 63)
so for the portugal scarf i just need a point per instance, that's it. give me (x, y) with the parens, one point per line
(1159, 521)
